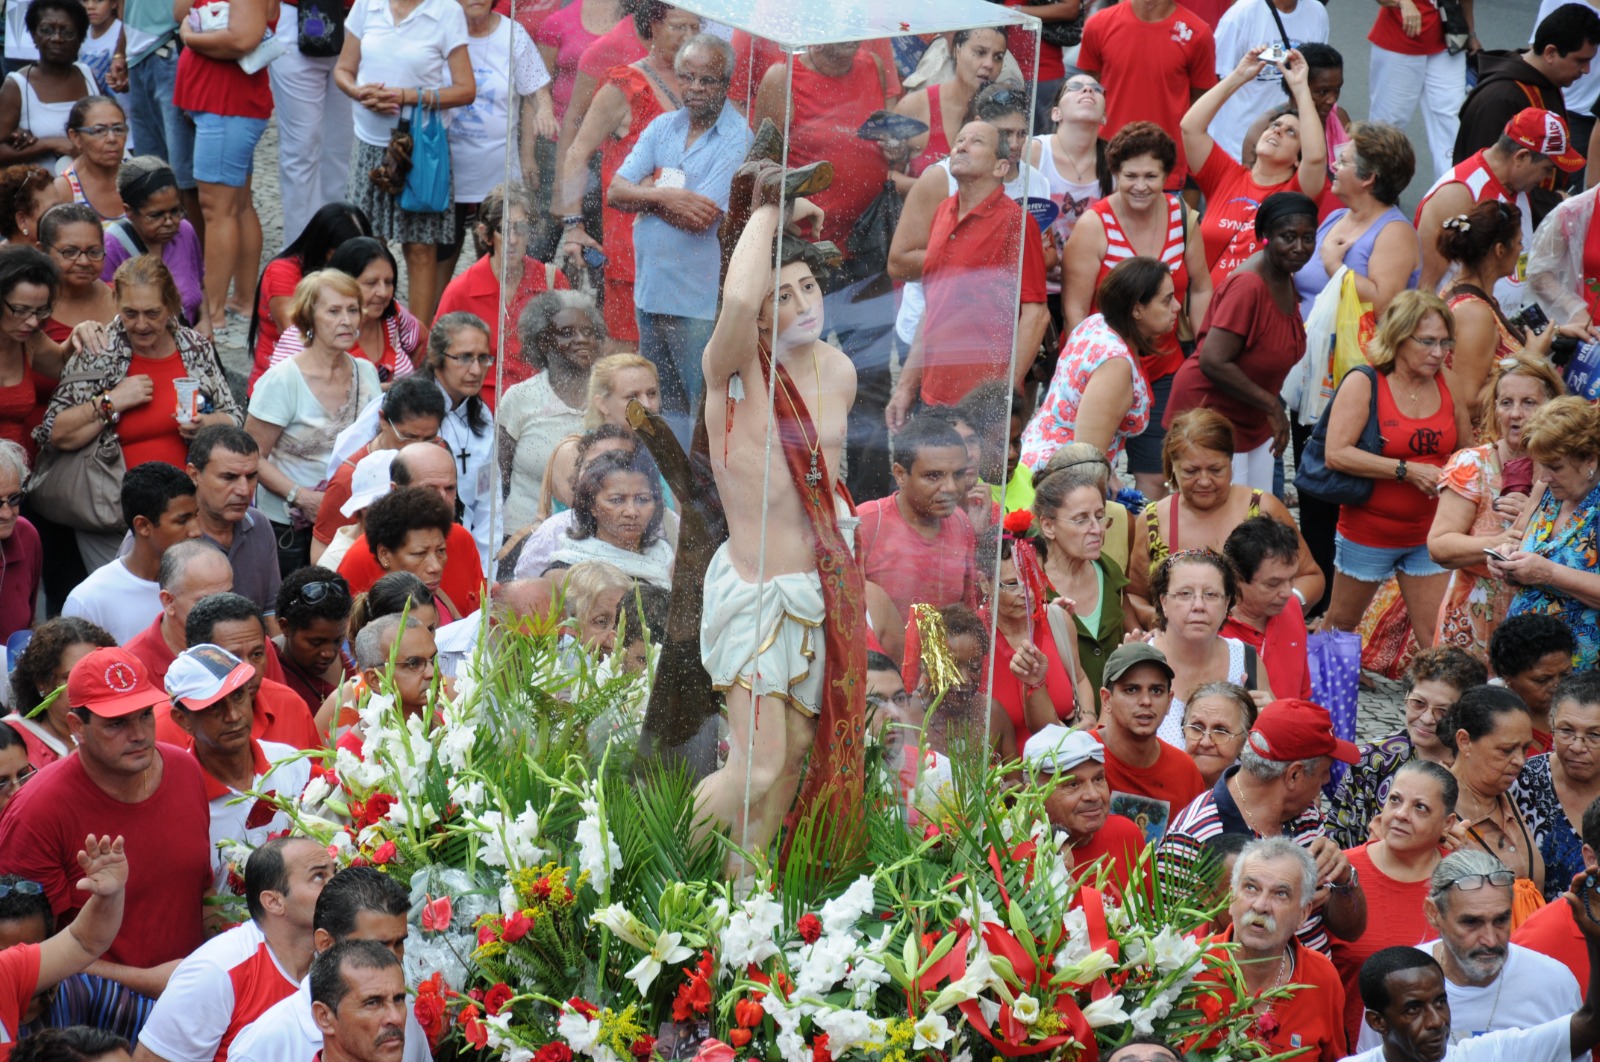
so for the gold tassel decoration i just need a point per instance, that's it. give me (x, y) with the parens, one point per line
(939, 670)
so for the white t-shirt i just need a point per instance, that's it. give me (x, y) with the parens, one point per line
(1242, 27)
(414, 54)
(1548, 1042)
(536, 419)
(1531, 989)
(115, 599)
(230, 979)
(286, 1032)
(283, 398)
(478, 133)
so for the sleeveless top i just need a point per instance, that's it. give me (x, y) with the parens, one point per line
(617, 225)
(1398, 515)
(78, 196)
(827, 113)
(1073, 197)
(1480, 180)
(47, 119)
(1507, 343)
(1152, 526)
(1170, 729)
(1120, 248)
(938, 144)
(1314, 276)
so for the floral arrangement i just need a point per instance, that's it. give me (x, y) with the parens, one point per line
(567, 904)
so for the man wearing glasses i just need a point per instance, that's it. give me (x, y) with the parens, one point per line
(14, 766)
(1490, 984)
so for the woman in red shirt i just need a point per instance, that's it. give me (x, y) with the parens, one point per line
(1395, 872)
(1422, 425)
(1140, 220)
(1252, 337)
(1291, 156)
(978, 55)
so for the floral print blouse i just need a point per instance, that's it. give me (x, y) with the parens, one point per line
(1534, 794)
(1091, 345)
(1576, 545)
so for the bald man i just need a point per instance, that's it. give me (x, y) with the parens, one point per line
(426, 465)
(189, 571)
(526, 604)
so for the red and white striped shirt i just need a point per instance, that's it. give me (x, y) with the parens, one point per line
(227, 983)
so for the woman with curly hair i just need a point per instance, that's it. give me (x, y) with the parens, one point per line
(408, 530)
(42, 669)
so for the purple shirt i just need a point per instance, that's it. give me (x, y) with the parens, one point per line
(183, 256)
(21, 564)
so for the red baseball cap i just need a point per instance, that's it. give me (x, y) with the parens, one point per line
(1545, 133)
(1293, 729)
(111, 683)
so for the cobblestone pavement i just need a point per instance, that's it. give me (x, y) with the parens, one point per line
(1381, 712)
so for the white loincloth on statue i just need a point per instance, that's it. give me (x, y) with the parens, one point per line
(763, 636)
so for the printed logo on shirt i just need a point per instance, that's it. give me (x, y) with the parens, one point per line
(1182, 33)
(1294, 1039)
(1426, 441)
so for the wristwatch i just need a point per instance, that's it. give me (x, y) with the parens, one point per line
(1349, 886)
(1400, 471)
(288, 499)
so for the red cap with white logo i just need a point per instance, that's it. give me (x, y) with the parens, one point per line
(111, 683)
(1545, 133)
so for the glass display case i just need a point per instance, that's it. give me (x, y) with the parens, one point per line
(772, 404)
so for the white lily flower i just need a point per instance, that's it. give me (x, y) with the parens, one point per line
(580, 1033)
(932, 1033)
(1025, 1009)
(623, 925)
(1172, 951)
(1087, 969)
(666, 951)
(1107, 1011)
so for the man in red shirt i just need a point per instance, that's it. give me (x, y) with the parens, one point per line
(1155, 58)
(233, 978)
(120, 782)
(425, 465)
(969, 276)
(1080, 804)
(189, 572)
(917, 543)
(1274, 882)
(1149, 778)
(27, 970)
(411, 412)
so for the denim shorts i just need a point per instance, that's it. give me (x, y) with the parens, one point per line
(225, 148)
(1374, 564)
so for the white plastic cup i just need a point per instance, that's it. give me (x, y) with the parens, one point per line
(188, 389)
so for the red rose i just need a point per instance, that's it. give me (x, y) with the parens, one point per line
(587, 1009)
(643, 1047)
(810, 927)
(553, 1052)
(515, 927)
(429, 1009)
(385, 853)
(495, 1000)
(487, 933)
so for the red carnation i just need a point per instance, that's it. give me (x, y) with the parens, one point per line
(385, 853)
(541, 889)
(487, 933)
(643, 1047)
(810, 927)
(584, 1007)
(819, 1049)
(1019, 522)
(553, 1052)
(495, 1000)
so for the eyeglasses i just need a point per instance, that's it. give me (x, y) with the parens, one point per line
(174, 214)
(98, 131)
(1086, 86)
(29, 313)
(407, 440)
(415, 664)
(468, 360)
(1434, 343)
(899, 700)
(1568, 736)
(311, 593)
(21, 888)
(1186, 597)
(10, 784)
(1500, 879)
(13, 500)
(1217, 734)
(73, 254)
(701, 82)
(57, 33)
(1011, 587)
(1421, 704)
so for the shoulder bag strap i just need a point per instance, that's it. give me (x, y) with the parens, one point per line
(1064, 632)
(1283, 34)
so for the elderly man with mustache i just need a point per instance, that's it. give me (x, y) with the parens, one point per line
(1274, 881)
(1492, 983)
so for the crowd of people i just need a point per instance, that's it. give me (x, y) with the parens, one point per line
(1035, 335)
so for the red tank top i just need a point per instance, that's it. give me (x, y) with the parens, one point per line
(617, 225)
(1476, 175)
(938, 144)
(1398, 514)
(827, 113)
(1119, 249)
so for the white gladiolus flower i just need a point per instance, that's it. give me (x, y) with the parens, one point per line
(666, 950)
(748, 936)
(316, 791)
(1107, 1011)
(580, 1033)
(848, 1029)
(841, 915)
(598, 858)
(822, 965)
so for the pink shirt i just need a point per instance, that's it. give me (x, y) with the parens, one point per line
(912, 568)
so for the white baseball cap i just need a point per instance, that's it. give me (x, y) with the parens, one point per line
(370, 481)
(1058, 748)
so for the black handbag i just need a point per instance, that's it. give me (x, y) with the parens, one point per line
(1456, 33)
(1067, 33)
(1315, 478)
(873, 232)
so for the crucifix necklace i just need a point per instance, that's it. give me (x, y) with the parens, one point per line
(814, 476)
(463, 455)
